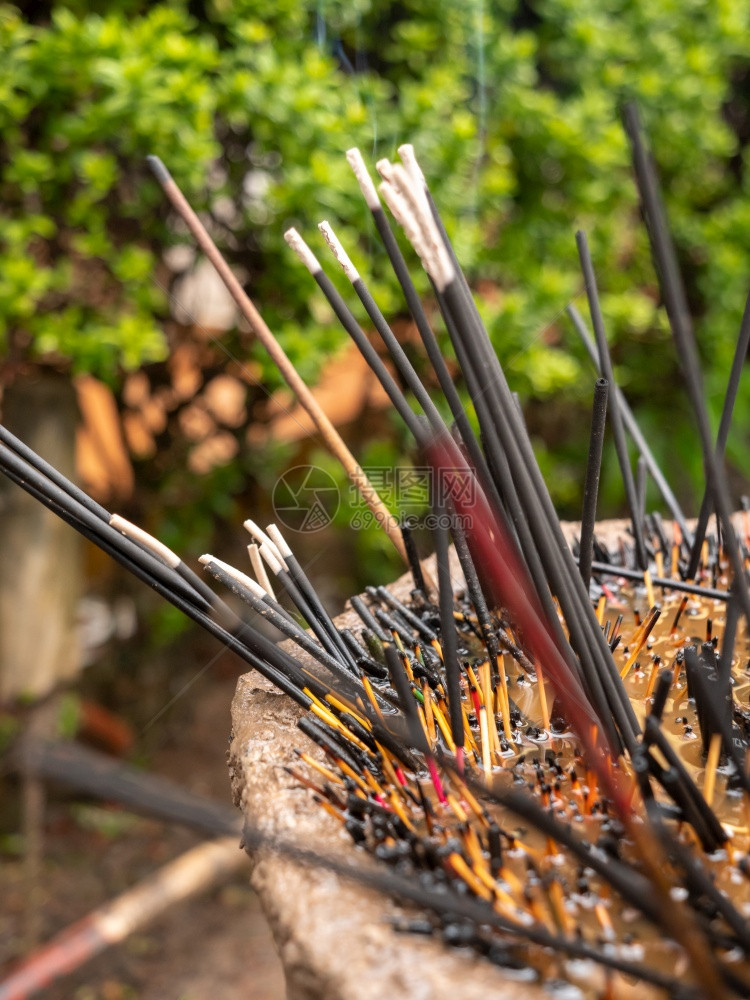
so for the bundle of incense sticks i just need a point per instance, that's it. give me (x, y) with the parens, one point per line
(550, 756)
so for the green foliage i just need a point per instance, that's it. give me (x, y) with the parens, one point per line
(513, 108)
(82, 101)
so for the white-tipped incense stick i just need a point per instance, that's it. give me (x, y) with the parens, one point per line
(384, 168)
(270, 553)
(159, 549)
(259, 569)
(279, 541)
(241, 578)
(303, 251)
(434, 254)
(434, 257)
(403, 215)
(409, 160)
(342, 257)
(414, 171)
(411, 165)
(262, 539)
(260, 328)
(367, 187)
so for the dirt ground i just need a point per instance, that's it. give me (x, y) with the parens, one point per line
(215, 946)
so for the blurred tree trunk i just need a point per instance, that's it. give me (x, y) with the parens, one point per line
(40, 556)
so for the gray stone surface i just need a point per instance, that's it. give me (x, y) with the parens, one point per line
(333, 937)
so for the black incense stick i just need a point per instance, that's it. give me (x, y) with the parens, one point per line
(243, 590)
(416, 309)
(682, 330)
(591, 484)
(738, 361)
(308, 591)
(355, 331)
(447, 621)
(413, 556)
(147, 569)
(632, 426)
(641, 488)
(408, 615)
(459, 309)
(683, 586)
(584, 630)
(51, 473)
(618, 430)
(367, 617)
(525, 594)
(26, 474)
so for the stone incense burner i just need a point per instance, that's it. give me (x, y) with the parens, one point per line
(335, 939)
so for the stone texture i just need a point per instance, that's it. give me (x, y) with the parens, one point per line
(333, 937)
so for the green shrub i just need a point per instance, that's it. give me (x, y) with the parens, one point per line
(513, 108)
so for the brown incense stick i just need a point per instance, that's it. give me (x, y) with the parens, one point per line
(260, 328)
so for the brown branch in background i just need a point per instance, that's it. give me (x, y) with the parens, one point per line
(195, 871)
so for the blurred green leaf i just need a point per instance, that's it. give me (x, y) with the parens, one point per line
(513, 110)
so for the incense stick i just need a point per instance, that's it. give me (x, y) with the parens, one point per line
(447, 623)
(733, 384)
(633, 429)
(591, 485)
(454, 296)
(327, 431)
(253, 595)
(355, 331)
(524, 594)
(417, 312)
(259, 569)
(614, 410)
(682, 330)
(81, 516)
(413, 557)
(298, 575)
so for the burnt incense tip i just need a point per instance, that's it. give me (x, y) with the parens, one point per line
(410, 162)
(385, 168)
(158, 169)
(342, 257)
(303, 251)
(356, 162)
